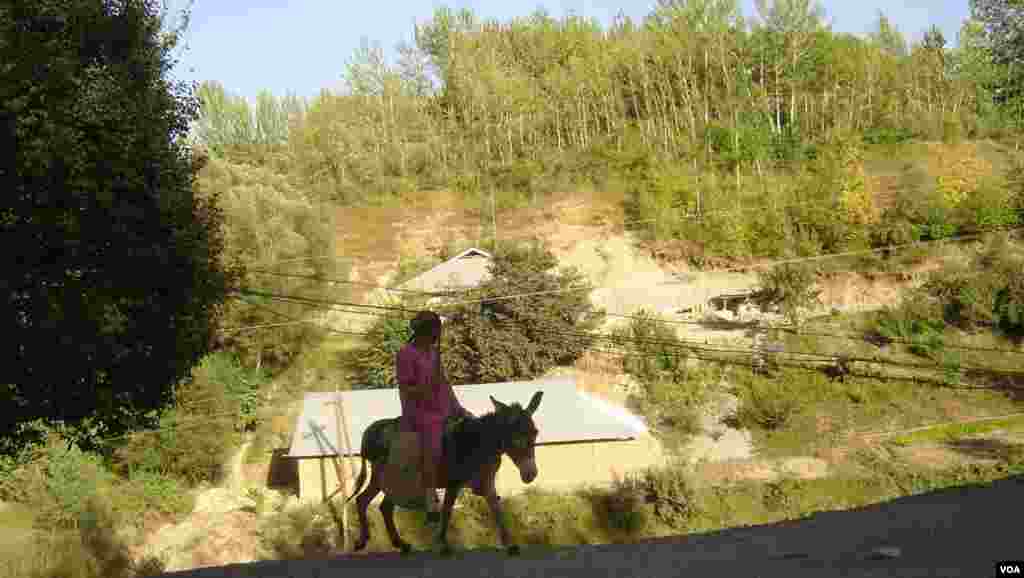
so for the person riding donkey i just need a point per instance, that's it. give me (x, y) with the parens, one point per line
(428, 400)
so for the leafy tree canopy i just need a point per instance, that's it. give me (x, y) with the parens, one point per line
(114, 284)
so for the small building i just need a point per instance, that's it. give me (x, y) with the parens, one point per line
(463, 271)
(581, 439)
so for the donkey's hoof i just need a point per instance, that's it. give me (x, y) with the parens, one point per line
(359, 545)
(446, 550)
(405, 548)
(513, 550)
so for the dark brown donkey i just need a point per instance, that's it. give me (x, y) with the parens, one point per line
(472, 448)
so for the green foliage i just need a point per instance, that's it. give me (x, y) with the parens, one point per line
(523, 339)
(669, 492)
(624, 507)
(923, 335)
(241, 385)
(767, 403)
(300, 533)
(226, 121)
(672, 395)
(1009, 307)
(659, 354)
(791, 287)
(375, 363)
(273, 225)
(195, 438)
(991, 207)
(58, 480)
(121, 273)
(887, 135)
(92, 551)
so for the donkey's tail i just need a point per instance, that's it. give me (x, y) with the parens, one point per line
(361, 478)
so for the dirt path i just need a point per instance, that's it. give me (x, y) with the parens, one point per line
(218, 511)
(958, 532)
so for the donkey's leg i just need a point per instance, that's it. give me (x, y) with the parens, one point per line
(362, 503)
(387, 509)
(450, 495)
(499, 518)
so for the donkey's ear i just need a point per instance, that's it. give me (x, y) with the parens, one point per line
(497, 404)
(534, 402)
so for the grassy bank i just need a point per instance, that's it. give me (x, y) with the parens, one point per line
(663, 502)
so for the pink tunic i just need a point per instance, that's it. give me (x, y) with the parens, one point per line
(426, 415)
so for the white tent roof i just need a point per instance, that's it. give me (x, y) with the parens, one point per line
(564, 415)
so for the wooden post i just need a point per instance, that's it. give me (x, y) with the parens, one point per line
(341, 431)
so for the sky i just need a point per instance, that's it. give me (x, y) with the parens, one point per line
(301, 46)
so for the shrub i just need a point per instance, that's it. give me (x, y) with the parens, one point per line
(659, 354)
(58, 480)
(791, 288)
(924, 336)
(303, 532)
(887, 135)
(624, 507)
(146, 491)
(670, 494)
(92, 551)
(504, 340)
(375, 362)
(769, 404)
(658, 361)
(991, 206)
(1009, 307)
(194, 438)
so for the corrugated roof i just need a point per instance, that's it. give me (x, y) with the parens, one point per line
(564, 415)
(467, 269)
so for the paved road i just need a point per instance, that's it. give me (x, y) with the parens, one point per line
(960, 532)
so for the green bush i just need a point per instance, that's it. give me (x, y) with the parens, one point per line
(659, 355)
(303, 532)
(924, 336)
(791, 288)
(146, 491)
(195, 438)
(664, 194)
(671, 399)
(58, 480)
(768, 404)
(242, 385)
(887, 135)
(507, 340)
(375, 362)
(992, 206)
(94, 550)
(624, 507)
(670, 494)
(1009, 308)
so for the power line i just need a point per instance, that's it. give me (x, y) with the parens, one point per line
(669, 321)
(684, 345)
(582, 335)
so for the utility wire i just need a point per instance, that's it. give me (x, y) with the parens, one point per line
(697, 345)
(743, 351)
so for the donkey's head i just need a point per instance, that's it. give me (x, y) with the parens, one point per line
(518, 434)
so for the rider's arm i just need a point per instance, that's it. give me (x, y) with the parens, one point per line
(409, 390)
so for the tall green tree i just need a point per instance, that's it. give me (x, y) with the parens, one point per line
(114, 280)
(887, 36)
